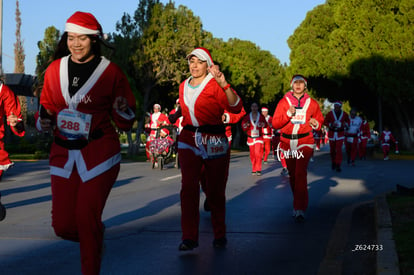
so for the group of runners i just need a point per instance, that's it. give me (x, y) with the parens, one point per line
(85, 96)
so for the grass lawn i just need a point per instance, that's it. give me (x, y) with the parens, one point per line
(402, 213)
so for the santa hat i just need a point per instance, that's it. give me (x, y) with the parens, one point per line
(156, 105)
(203, 54)
(264, 109)
(298, 77)
(338, 103)
(83, 23)
(165, 131)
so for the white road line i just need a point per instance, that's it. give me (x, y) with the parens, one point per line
(170, 178)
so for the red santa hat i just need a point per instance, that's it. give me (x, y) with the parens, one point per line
(165, 131)
(338, 103)
(298, 77)
(264, 109)
(83, 23)
(203, 54)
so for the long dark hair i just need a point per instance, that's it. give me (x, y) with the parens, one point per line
(63, 50)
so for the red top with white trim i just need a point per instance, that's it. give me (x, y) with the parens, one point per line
(306, 108)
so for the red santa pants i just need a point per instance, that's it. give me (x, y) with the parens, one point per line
(362, 146)
(267, 143)
(77, 213)
(351, 148)
(256, 155)
(298, 171)
(385, 149)
(215, 174)
(336, 151)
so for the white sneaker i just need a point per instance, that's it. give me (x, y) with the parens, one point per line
(300, 216)
(386, 158)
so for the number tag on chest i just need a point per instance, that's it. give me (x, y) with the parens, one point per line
(217, 147)
(255, 133)
(300, 117)
(74, 124)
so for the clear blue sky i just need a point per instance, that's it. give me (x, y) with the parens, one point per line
(267, 23)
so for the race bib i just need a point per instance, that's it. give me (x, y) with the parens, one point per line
(217, 147)
(74, 124)
(255, 133)
(299, 117)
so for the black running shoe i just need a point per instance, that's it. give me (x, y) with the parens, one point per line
(187, 245)
(220, 242)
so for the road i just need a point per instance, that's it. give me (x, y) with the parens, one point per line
(142, 219)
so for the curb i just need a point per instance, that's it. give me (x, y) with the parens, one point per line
(387, 259)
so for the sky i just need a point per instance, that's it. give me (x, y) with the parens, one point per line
(266, 23)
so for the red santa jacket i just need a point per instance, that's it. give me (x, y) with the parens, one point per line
(365, 131)
(296, 131)
(202, 117)
(95, 100)
(337, 124)
(9, 104)
(386, 138)
(156, 120)
(254, 128)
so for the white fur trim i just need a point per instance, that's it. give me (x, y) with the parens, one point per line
(70, 27)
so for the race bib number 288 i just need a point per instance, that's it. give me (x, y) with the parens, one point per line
(74, 124)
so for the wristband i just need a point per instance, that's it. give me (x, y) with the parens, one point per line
(226, 87)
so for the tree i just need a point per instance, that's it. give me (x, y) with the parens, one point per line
(45, 56)
(19, 55)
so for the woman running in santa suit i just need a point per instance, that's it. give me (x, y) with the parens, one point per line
(83, 94)
(202, 143)
(296, 115)
(254, 124)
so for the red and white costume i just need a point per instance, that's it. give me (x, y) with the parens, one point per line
(297, 141)
(254, 128)
(365, 135)
(9, 104)
(267, 135)
(336, 123)
(386, 138)
(229, 119)
(84, 167)
(202, 144)
(157, 119)
(352, 135)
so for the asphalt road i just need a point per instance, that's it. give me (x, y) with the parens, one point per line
(142, 218)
